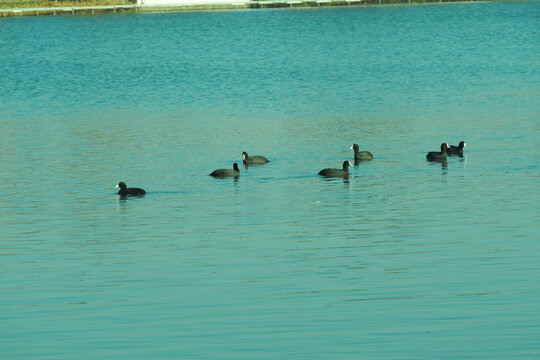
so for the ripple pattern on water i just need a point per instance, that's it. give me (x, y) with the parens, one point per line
(405, 259)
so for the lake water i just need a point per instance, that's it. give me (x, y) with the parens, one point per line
(406, 259)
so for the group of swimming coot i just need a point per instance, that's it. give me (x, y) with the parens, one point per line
(248, 160)
(359, 156)
(446, 150)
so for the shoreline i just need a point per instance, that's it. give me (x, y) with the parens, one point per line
(205, 6)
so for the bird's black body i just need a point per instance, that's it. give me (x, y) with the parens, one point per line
(221, 173)
(361, 155)
(336, 172)
(253, 160)
(436, 155)
(125, 191)
(456, 150)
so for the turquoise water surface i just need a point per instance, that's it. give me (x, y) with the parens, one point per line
(406, 259)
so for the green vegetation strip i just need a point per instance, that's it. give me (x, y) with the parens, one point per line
(24, 4)
(59, 7)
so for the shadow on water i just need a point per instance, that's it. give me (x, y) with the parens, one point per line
(150, 194)
(246, 166)
(443, 163)
(344, 179)
(125, 197)
(359, 161)
(225, 178)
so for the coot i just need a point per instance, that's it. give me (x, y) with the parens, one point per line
(226, 172)
(456, 150)
(436, 155)
(336, 172)
(361, 155)
(253, 160)
(125, 191)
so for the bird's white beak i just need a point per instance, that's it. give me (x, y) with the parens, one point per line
(351, 147)
(117, 186)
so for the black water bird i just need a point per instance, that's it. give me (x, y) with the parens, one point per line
(220, 173)
(337, 172)
(254, 160)
(361, 155)
(436, 155)
(125, 191)
(456, 150)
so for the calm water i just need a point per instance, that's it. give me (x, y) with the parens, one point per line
(406, 260)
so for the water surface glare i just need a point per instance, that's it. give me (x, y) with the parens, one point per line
(406, 259)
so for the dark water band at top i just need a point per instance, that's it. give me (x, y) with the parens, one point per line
(113, 9)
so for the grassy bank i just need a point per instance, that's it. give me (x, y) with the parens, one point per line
(24, 4)
(70, 7)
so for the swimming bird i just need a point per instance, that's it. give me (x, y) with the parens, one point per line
(436, 155)
(456, 150)
(125, 191)
(361, 155)
(226, 172)
(253, 160)
(337, 172)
